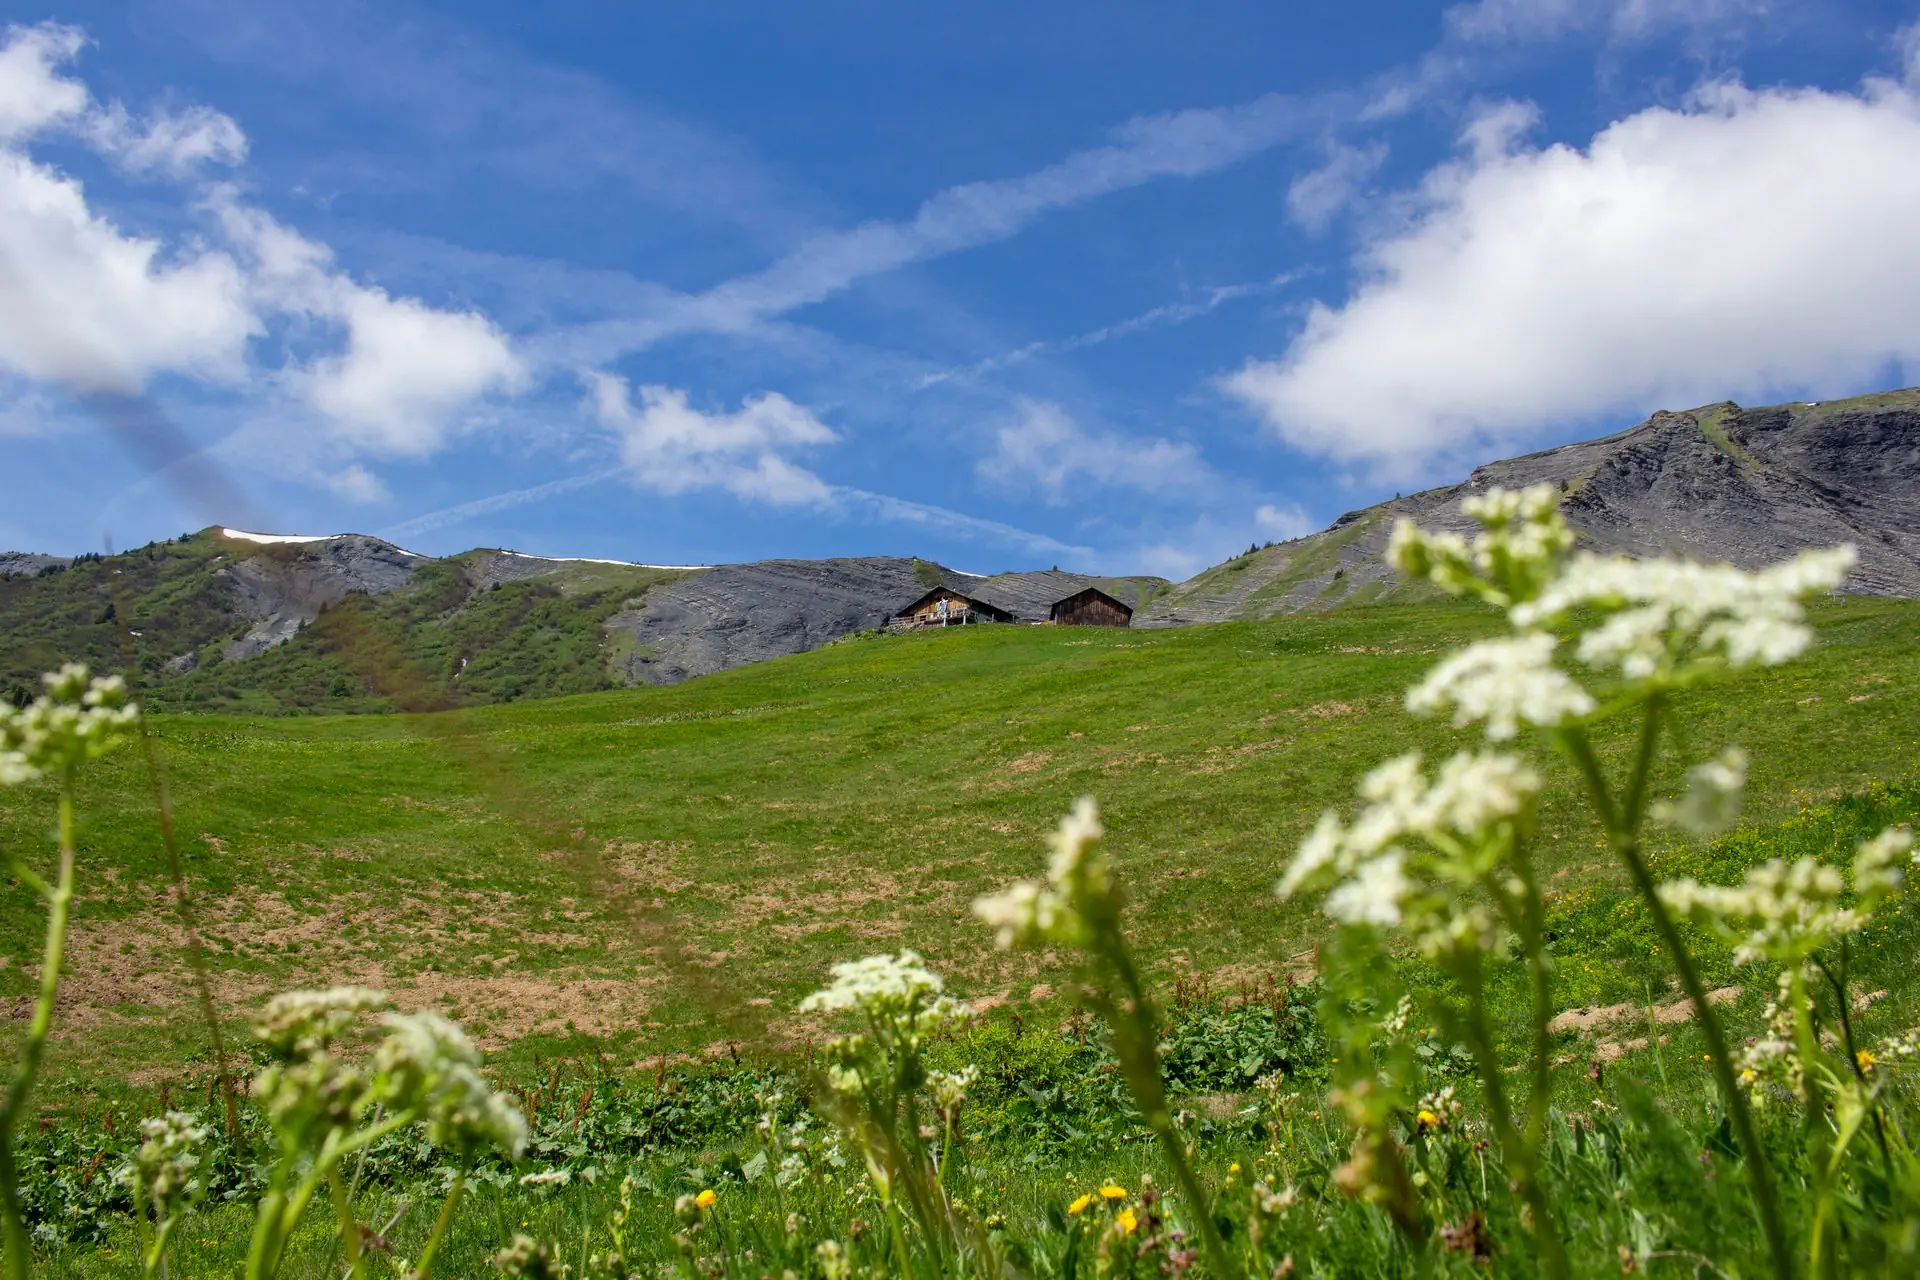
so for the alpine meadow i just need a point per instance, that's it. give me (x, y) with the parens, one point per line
(1522, 1030)
(1020, 640)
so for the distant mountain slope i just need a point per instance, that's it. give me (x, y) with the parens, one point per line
(1718, 483)
(735, 614)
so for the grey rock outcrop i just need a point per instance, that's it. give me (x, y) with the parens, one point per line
(1719, 483)
(285, 586)
(27, 564)
(739, 613)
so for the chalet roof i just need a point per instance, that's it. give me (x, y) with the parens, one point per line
(1030, 597)
(983, 606)
(1091, 590)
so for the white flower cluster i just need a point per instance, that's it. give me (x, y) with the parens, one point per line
(1077, 878)
(1772, 1061)
(881, 985)
(1786, 912)
(949, 1088)
(1714, 793)
(302, 1023)
(1523, 537)
(1505, 682)
(77, 719)
(1665, 616)
(1464, 823)
(162, 1170)
(427, 1064)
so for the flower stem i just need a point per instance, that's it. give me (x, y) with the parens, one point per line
(1623, 833)
(1137, 1038)
(441, 1226)
(18, 1247)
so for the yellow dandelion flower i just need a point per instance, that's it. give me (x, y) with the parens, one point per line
(1080, 1205)
(1112, 1192)
(1747, 1076)
(705, 1199)
(1427, 1120)
(1126, 1221)
(1234, 1167)
(1866, 1059)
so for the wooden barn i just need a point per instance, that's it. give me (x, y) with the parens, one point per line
(1091, 607)
(945, 607)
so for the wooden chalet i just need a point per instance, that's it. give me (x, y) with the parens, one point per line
(1091, 607)
(945, 607)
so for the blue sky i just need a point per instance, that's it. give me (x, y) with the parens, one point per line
(1117, 286)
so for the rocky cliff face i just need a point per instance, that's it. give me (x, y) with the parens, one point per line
(1718, 483)
(285, 586)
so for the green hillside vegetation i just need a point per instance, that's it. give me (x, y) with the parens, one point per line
(625, 895)
(468, 644)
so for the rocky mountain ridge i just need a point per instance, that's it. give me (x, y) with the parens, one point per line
(231, 616)
(1720, 483)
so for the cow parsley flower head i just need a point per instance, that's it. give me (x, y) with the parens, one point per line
(1714, 792)
(1079, 878)
(79, 718)
(1879, 866)
(161, 1172)
(1666, 617)
(298, 1024)
(881, 985)
(427, 1063)
(1411, 836)
(1504, 682)
(1521, 541)
(1783, 912)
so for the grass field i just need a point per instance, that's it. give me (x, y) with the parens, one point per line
(655, 870)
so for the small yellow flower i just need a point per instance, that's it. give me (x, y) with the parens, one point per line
(1126, 1221)
(1112, 1192)
(1747, 1076)
(705, 1199)
(1427, 1120)
(1080, 1205)
(1866, 1059)
(1234, 1167)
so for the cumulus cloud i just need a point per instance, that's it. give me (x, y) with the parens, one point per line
(93, 308)
(1750, 241)
(1046, 450)
(671, 447)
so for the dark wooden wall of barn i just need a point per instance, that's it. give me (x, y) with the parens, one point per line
(1091, 611)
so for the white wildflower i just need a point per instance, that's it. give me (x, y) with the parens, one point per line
(427, 1063)
(78, 718)
(1506, 682)
(1078, 880)
(1714, 793)
(1320, 851)
(301, 1023)
(1782, 912)
(1373, 893)
(1878, 866)
(1522, 538)
(162, 1170)
(878, 982)
(949, 1088)
(547, 1178)
(1667, 616)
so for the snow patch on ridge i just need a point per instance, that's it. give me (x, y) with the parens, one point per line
(242, 535)
(631, 564)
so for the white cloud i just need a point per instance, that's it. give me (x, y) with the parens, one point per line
(1907, 41)
(1046, 450)
(1749, 242)
(671, 447)
(177, 144)
(1283, 523)
(32, 96)
(1315, 198)
(92, 308)
(1508, 20)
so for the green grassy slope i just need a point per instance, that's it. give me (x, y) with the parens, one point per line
(649, 869)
